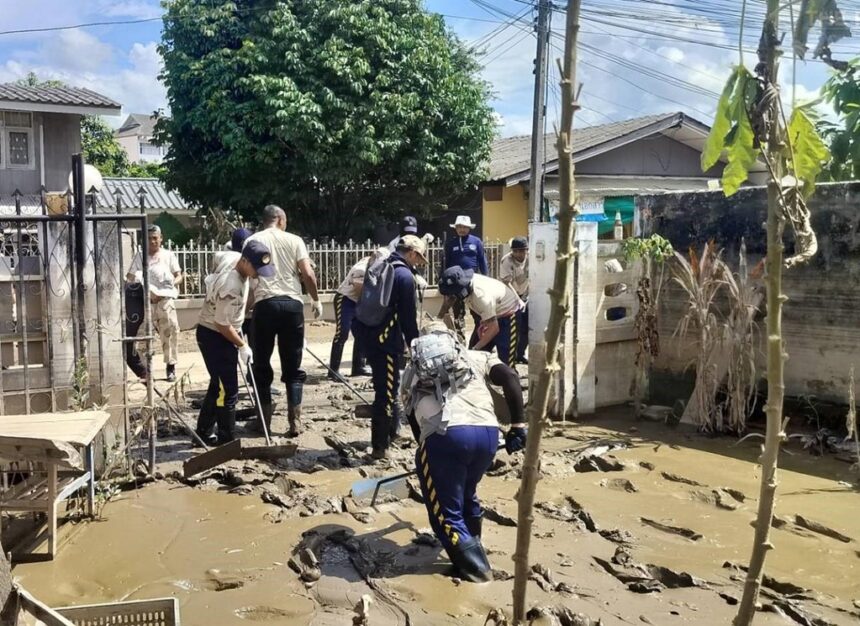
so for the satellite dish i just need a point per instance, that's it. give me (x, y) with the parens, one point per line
(92, 179)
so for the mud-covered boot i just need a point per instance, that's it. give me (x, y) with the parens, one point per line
(474, 525)
(226, 425)
(294, 414)
(359, 363)
(206, 422)
(334, 362)
(470, 560)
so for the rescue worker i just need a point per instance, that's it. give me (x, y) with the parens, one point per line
(494, 303)
(466, 251)
(345, 300)
(447, 394)
(408, 226)
(514, 271)
(232, 251)
(279, 314)
(384, 341)
(165, 275)
(220, 341)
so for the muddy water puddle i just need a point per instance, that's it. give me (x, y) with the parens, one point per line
(226, 556)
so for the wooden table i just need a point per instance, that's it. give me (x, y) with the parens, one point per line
(55, 440)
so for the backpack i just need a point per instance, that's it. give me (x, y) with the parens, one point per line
(376, 294)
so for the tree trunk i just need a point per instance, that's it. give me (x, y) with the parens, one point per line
(559, 297)
(768, 57)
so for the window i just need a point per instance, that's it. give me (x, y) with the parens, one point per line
(147, 149)
(16, 151)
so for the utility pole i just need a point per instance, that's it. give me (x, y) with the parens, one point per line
(539, 114)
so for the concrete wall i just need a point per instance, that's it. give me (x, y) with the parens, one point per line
(131, 145)
(822, 315)
(508, 217)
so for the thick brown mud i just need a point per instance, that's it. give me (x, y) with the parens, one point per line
(656, 532)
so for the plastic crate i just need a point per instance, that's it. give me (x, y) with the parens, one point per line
(158, 612)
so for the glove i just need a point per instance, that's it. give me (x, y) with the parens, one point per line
(245, 354)
(515, 439)
(428, 238)
(138, 277)
(316, 307)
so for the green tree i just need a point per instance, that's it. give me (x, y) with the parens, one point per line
(101, 149)
(349, 111)
(146, 170)
(33, 80)
(842, 92)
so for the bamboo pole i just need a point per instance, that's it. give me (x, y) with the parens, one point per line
(773, 148)
(559, 311)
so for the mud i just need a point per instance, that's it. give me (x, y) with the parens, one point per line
(251, 542)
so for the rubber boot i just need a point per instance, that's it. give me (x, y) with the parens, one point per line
(171, 373)
(226, 425)
(475, 525)
(396, 420)
(294, 414)
(267, 410)
(359, 363)
(469, 558)
(334, 361)
(206, 420)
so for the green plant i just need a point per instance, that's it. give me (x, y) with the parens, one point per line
(344, 112)
(80, 400)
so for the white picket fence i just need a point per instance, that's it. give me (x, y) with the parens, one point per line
(331, 261)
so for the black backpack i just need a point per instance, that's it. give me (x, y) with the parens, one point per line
(376, 294)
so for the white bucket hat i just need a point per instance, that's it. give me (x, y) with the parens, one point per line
(463, 220)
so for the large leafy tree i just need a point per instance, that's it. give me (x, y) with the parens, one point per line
(842, 92)
(345, 112)
(101, 149)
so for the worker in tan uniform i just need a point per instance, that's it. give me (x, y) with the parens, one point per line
(514, 271)
(279, 314)
(165, 275)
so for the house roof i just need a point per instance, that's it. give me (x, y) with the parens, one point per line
(56, 100)
(158, 197)
(137, 125)
(511, 157)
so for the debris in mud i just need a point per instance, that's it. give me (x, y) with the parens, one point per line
(344, 449)
(542, 577)
(496, 617)
(559, 616)
(645, 578)
(362, 611)
(821, 529)
(680, 479)
(305, 564)
(616, 535)
(648, 466)
(734, 493)
(730, 599)
(499, 518)
(789, 611)
(619, 484)
(675, 530)
(717, 498)
(220, 581)
(504, 467)
(788, 589)
(782, 523)
(571, 511)
(593, 458)
(426, 538)
(502, 575)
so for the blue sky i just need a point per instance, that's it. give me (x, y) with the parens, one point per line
(639, 57)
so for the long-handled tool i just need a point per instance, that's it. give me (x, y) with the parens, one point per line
(255, 394)
(339, 378)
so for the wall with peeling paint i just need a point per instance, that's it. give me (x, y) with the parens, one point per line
(822, 315)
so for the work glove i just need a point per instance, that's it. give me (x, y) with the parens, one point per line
(515, 439)
(138, 277)
(245, 354)
(316, 307)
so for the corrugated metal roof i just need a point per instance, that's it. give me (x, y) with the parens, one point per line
(66, 96)
(512, 155)
(158, 197)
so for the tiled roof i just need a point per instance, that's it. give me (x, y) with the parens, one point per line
(138, 125)
(66, 96)
(158, 197)
(512, 155)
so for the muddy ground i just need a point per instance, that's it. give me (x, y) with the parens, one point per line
(636, 524)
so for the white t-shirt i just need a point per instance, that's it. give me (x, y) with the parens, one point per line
(163, 267)
(491, 298)
(471, 405)
(515, 274)
(224, 304)
(354, 281)
(287, 251)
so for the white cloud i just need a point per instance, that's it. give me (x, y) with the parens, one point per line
(76, 51)
(134, 9)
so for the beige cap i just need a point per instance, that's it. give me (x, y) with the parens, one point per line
(416, 244)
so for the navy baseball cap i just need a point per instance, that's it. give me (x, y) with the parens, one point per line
(258, 254)
(409, 225)
(238, 239)
(455, 281)
(519, 243)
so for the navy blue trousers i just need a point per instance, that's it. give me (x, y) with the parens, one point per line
(450, 466)
(221, 359)
(344, 313)
(387, 413)
(506, 343)
(522, 332)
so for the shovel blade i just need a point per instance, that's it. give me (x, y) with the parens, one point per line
(363, 489)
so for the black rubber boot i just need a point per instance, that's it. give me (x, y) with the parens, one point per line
(226, 425)
(471, 562)
(294, 414)
(334, 361)
(474, 525)
(171, 373)
(359, 363)
(268, 410)
(206, 420)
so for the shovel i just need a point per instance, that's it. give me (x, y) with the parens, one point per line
(252, 391)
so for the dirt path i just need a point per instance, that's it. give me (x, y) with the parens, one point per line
(653, 538)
